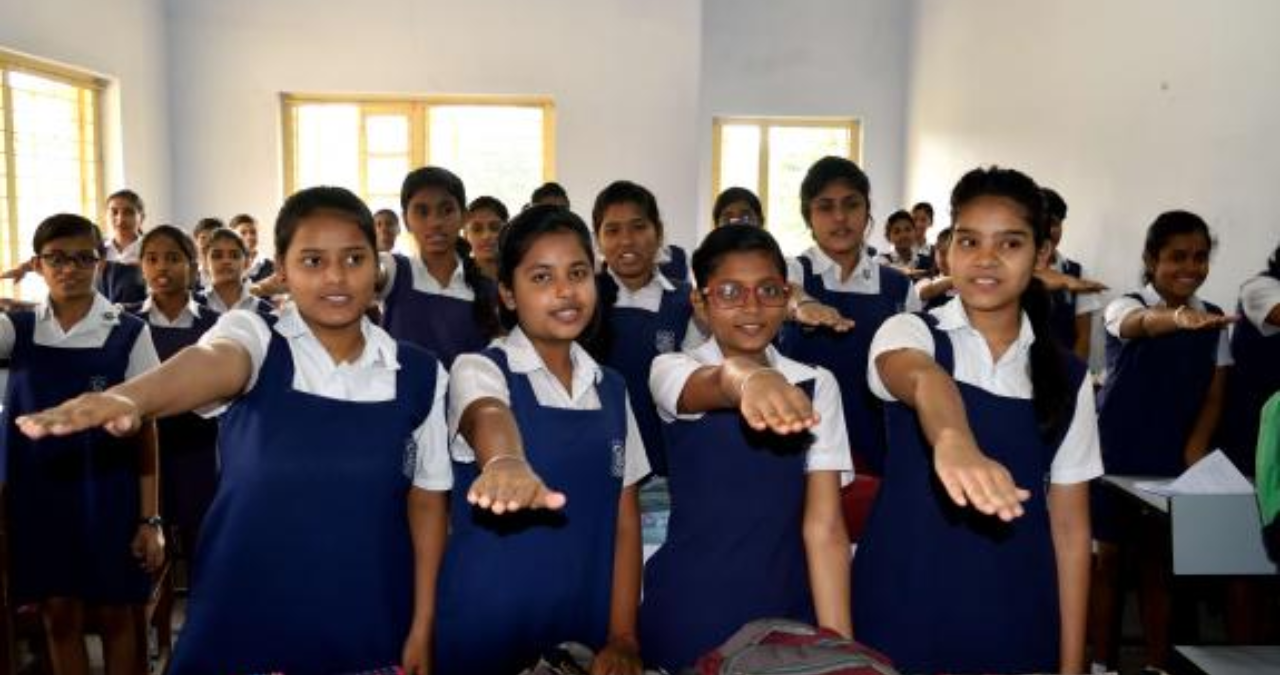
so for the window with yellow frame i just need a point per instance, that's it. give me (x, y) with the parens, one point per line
(499, 146)
(770, 156)
(50, 153)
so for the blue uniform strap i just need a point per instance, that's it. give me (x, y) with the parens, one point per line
(812, 283)
(943, 352)
(416, 377)
(675, 306)
(894, 285)
(24, 326)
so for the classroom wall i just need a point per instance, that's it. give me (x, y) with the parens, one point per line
(1127, 108)
(811, 58)
(624, 76)
(123, 41)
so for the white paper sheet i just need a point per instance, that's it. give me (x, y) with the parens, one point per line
(1212, 475)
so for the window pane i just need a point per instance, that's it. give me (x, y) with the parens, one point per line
(386, 134)
(791, 152)
(384, 175)
(327, 150)
(740, 156)
(496, 150)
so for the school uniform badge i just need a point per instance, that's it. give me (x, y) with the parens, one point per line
(410, 457)
(619, 468)
(665, 341)
(98, 383)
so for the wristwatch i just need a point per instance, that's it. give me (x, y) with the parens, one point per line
(153, 521)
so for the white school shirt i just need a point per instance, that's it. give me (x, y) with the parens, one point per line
(1120, 308)
(649, 298)
(246, 300)
(128, 255)
(1079, 456)
(90, 333)
(890, 257)
(830, 448)
(475, 376)
(186, 318)
(423, 282)
(1258, 296)
(1086, 303)
(371, 377)
(865, 279)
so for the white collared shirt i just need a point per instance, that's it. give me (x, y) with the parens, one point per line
(128, 255)
(649, 298)
(865, 279)
(1120, 308)
(830, 448)
(1079, 456)
(246, 300)
(1258, 297)
(475, 376)
(1086, 303)
(90, 333)
(371, 377)
(186, 318)
(423, 282)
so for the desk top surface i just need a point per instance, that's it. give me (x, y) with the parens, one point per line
(1246, 660)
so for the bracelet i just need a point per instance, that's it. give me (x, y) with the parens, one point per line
(742, 386)
(1177, 317)
(153, 521)
(500, 457)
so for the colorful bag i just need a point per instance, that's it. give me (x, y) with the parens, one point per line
(777, 646)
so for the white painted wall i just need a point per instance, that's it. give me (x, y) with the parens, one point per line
(1127, 108)
(624, 76)
(811, 58)
(123, 41)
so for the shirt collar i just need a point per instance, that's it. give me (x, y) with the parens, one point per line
(192, 307)
(709, 353)
(822, 262)
(952, 316)
(523, 358)
(457, 279)
(1152, 298)
(659, 279)
(101, 312)
(379, 346)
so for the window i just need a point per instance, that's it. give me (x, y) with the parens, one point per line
(770, 157)
(499, 146)
(50, 153)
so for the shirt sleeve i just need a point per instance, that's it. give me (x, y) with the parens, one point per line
(1258, 297)
(7, 336)
(912, 301)
(472, 377)
(1079, 456)
(636, 461)
(901, 331)
(1223, 358)
(251, 333)
(432, 469)
(795, 273)
(667, 377)
(1088, 303)
(830, 450)
(143, 356)
(1116, 312)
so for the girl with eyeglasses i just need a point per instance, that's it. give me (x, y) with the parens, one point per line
(756, 454)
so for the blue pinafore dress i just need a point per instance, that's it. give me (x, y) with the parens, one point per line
(639, 336)
(443, 325)
(845, 355)
(734, 550)
(515, 585)
(677, 268)
(188, 442)
(73, 502)
(940, 588)
(1154, 391)
(1253, 379)
(305, 561)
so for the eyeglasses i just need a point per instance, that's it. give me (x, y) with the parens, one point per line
(58, 260)
(731, 294)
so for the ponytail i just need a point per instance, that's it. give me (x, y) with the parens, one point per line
(1050, 389)
(484, 310)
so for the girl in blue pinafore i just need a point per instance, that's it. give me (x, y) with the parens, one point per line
(319, 552)
(225, 258)
(643, 313)
(756, 450)
(1167, 356)
(1255, 375)
(437, 299)
(976, 553)
(189, 456)
(835, 200)
(83, 518)
(524, 570)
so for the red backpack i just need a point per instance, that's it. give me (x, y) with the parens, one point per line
(777, 646)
